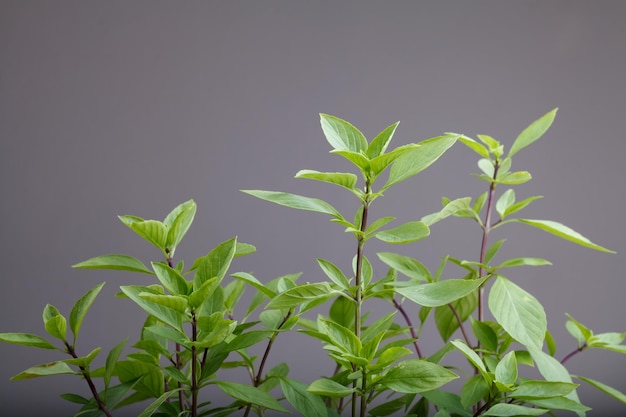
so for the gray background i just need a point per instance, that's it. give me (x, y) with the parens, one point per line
(120, 107)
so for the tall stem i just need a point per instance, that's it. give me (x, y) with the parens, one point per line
(194, 366)
(178, 363)
(92, 387)
(358, 297)
(483, 246)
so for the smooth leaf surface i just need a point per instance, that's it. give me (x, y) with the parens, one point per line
(178, 222)
(295, 201)
(563, 232)
(47, 369)
(116, 262)
(250, 395)
(406, 265)
(302, 293)
(405, 233)
(171, 279)
(513, 410)
(306, 403)
(414, 376)
(604, 388)
(521, 315)
(415, 161)
(552, 370)
(342, 179)
(533, 132)
(26, 339)
(379, 144)
(341, 134)
(440, 293)
(81, 307)
(329, 388)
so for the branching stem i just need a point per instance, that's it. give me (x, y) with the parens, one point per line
(575, 352)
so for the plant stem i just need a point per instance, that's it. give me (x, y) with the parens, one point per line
(256, 380)
(458, 319)
(358, 297)
(194, 366)
(571, 354)
(92, 387)
(402, 311)
(483, 246)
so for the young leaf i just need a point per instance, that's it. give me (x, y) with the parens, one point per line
(506, 200)
(342, 312)
(471, 356)
(379, 144)
(173, 302)
(519, 313)
(154, 406)
(119, 262)
(452, 208)
(474, 390)
(514, 178)
(329, 388)
(533, 132)
(563, 232)
(171, 279)
(111, 360)
(251, 280)
(163, 313)
(306, 403)
(341, 337)
(80, 309)
(301, 294)
(334, 273)
(405, 233)
(215, 263)
(56, 326)
(249, 395)
(415, 376)
(342, 135)
(511, 263)
(506, 370)
(345, 180)
(415, 161)
(408, 266)
(514, 208)
(475, 146)
(440, 293)
(513, 410)
(493, 250)
(295, 201)
(380, 163)
(153, 231)
(178, 222)
(52, 368)
(486, 166)
(604, 388)
(26, 339)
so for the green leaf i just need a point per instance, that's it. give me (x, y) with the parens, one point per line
(341, 337)
(163, 313)
(153, 231)
(250, 395)
(440, 293)
(306, 403)
(389, 356)
(559, 403)
(543, 389)
(26, 339)
(171, 279)
(470, 355)
(57, 327)
(173, 302)
(81, 307)
(215, 263)
(506, 370)
(46, 369)
(551, 369)
(510, 263)
(604, 388)
(84, 361)
(116, 262)
(514, 208)
(405, 233)
(493, 250)
(380, 163)
(563, 232)
(485, 335)
(111, 360)
(486, 166)
(514, 178)
(474, 390)
(415, 161)
(406, 265)
(415, 375)
(475, 146)
(168, 333)
(452, 208)
(329, 388)
(301, 294)
(512, 410)
(154, 406)
(295, 201)
(519, 313)
(379, 144)
(74, 398)
(178, 222)
(342, 312)
(148, 377)
(533, 132)
(506, 200)
(342, 135)
(448, 401)
(251, 280)
(345, 180)
(491, 143)
(334, 273)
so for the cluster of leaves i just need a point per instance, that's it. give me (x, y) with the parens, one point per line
(191, 333)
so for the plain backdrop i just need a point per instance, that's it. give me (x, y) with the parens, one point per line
(132, 107)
